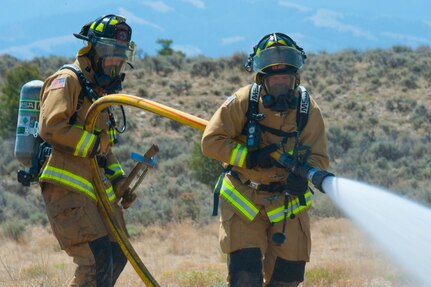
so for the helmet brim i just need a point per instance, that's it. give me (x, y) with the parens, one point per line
(80, 36)
(279, 55)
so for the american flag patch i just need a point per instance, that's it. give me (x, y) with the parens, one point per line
(229, 100)
(58, 83)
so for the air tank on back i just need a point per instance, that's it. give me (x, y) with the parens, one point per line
(27, 140)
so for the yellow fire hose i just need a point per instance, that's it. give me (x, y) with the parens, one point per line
(103, 202)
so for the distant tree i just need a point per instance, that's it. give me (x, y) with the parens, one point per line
(10, 91)
(166, 47)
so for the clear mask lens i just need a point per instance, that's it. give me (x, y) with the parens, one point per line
(113, 66)
(279, 84)
(106, 47)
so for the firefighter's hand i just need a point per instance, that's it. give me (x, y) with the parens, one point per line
(128, 198)
(261, 157)
(296, 185)
(119, 188)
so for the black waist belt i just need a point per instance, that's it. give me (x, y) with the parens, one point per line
(271, 187)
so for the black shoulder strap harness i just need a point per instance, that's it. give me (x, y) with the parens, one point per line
(86, 89)
(253, 117)
(253, 127)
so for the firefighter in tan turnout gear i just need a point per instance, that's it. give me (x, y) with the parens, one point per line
(66, 179)
(265, 227)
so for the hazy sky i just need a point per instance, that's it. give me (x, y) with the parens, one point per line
(217, 27)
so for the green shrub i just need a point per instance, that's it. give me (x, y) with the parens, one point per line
(204, 169)
(14, 79)
(204, 68)
(14, 229)
(420, 116)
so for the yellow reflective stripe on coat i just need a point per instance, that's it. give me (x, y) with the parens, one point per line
(293, 207)
(240, 202)
(73, 181)
(238, 155)
(85, 142)
(117, 169)
(112, 134)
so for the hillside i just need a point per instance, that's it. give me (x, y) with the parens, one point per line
(376, 105)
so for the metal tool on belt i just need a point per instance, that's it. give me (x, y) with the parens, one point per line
(137, 174)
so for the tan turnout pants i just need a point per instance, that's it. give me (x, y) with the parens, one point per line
(75, 221)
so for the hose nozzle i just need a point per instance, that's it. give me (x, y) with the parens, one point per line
(317, 177)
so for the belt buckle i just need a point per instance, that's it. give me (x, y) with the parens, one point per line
(254, 185)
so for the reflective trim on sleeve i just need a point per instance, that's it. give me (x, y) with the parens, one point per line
(240, 202)
(117, 169)
(293, 207)
(238, 155)
(85, 142)
(112, 134)
(110, 193)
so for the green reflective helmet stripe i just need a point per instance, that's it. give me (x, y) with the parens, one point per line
(113, 22)
(100, 26)
(271, 43)
(293, 207)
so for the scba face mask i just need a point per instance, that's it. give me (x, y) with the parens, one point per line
(112, 59)
(280, 92)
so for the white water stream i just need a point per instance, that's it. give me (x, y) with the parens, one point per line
(401, 227)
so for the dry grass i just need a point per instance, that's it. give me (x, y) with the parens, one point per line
(188, 255)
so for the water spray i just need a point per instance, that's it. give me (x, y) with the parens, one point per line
(401, 227)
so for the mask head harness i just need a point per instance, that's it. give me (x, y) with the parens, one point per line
(109, 48)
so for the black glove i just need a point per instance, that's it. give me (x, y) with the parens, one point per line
(261, 157)
(296, 185)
